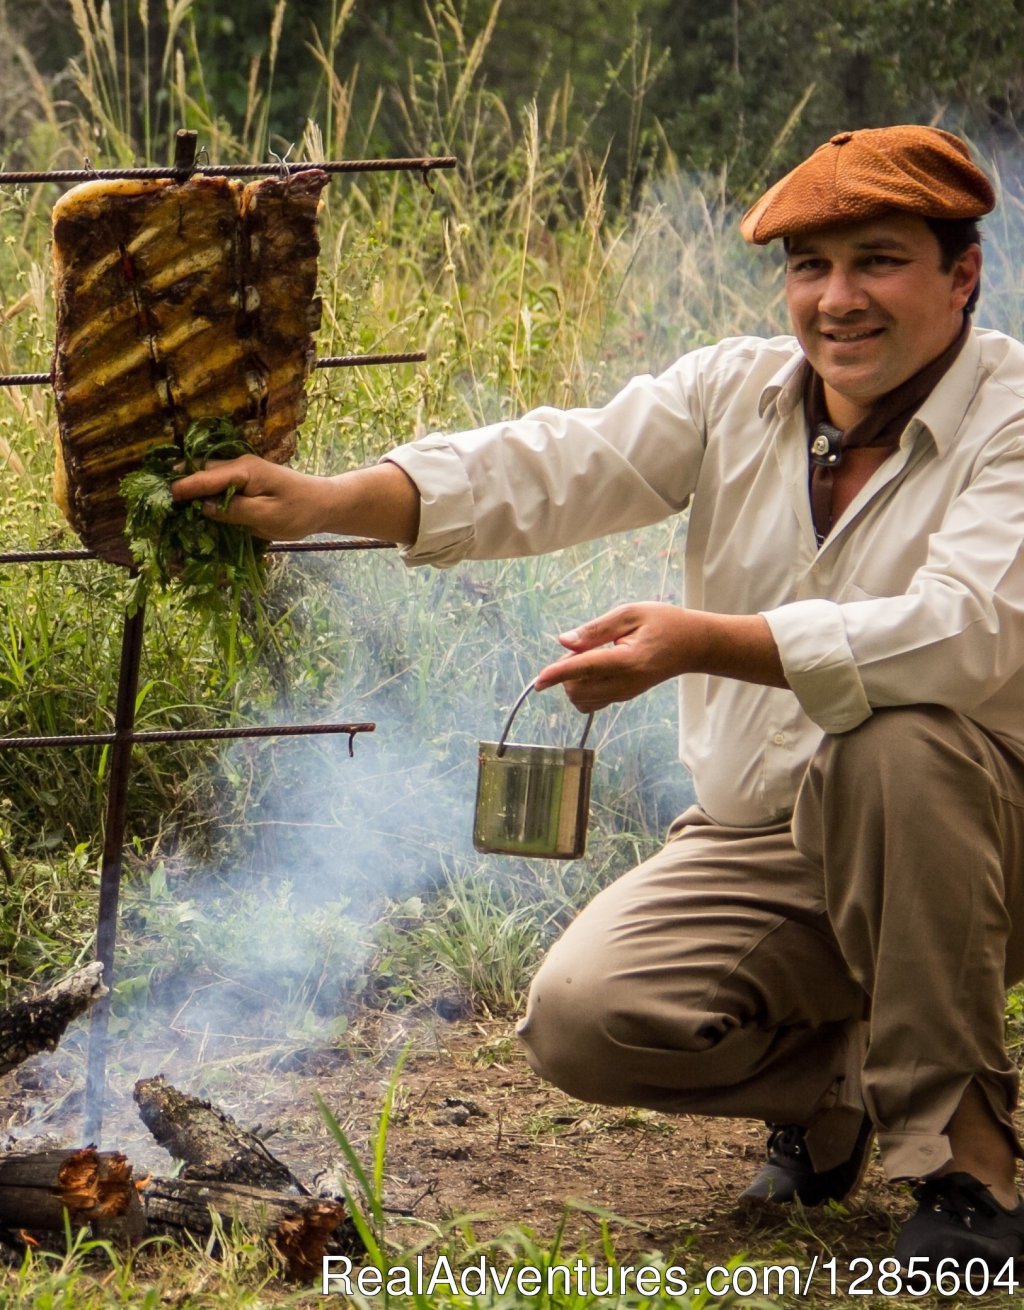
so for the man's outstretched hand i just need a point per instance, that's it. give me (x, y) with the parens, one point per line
(279, 503)
(632, 648)
(274, 502)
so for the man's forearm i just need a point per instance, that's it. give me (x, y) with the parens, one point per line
(741, 646)
(280, 503)
(380, 501)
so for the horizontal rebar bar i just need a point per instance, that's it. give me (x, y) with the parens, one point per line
(329, 361)
(353, 361)
(426, 164)
(189, 734)
(275, 548)
(311, 547)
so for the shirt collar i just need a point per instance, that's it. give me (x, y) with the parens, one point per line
(785, 387)
(942, 413)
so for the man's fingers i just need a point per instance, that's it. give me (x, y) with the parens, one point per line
(211, 482)
(216, 509)
(563, 670)
(574, 668)
(551, 676)
(217, 477)
(600, 631)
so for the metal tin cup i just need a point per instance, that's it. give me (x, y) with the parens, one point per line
(533, 800)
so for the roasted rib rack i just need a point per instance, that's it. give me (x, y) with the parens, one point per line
(177, 301)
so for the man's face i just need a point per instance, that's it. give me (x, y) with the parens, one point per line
(870, 304)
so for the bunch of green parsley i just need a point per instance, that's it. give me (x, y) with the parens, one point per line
(211, 563)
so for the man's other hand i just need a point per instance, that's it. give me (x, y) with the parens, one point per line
(632, 648)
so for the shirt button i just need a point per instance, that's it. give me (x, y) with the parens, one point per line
(779, 739)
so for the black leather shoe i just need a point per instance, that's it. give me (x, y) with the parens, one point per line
(790, 1176)
(959, 1220)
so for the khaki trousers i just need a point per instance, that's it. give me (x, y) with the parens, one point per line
(856, 957)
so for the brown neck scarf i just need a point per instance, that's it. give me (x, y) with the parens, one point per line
(881, 427)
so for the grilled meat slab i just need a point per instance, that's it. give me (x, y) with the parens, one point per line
(177, 301)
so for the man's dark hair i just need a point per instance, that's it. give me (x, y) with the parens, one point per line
(954, 235)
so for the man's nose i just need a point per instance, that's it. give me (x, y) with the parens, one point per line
(842, 294)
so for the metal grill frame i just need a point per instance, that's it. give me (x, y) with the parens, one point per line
(123, 737)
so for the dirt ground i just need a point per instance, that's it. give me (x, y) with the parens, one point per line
(474, 1133)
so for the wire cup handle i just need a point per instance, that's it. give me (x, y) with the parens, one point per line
(515, 710)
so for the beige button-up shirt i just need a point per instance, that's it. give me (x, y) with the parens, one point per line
(916, 596)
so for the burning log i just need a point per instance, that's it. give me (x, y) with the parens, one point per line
(230, 1173)
(302, 1229)
(214, 1147)
(231, 1178)
(27, 1027)
(37, 1187)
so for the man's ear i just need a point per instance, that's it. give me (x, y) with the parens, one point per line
(966, 272)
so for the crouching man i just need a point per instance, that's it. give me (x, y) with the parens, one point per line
(826, 938)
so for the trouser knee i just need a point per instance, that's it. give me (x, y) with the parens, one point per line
(896, 742)
(568, 1034)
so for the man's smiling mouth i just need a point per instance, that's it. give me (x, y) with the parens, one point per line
(862, 335)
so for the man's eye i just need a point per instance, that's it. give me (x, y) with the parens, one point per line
(806, 265)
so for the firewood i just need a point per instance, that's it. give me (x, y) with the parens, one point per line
(212, 1145)
(38, 1024)
(37, 1187)
(301, 1228)
(128, 1229)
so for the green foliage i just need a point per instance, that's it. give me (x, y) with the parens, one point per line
(527, 285)
(1015, 1017)
(365, 1202)
(208, 561)
(755, 85)
(45, 918)
(180, 936)
(482, 930)
(93, 1274)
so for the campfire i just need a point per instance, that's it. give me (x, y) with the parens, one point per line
(228, 1175)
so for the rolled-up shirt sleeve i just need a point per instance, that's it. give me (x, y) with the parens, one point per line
(446, 531)
(819, 663)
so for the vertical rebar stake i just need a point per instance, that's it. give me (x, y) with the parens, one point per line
(110, 871)
(185, 152)
(117, 807)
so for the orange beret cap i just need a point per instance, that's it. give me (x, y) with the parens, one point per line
(861, 175)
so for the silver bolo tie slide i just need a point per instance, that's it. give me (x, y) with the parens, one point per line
(826, 448)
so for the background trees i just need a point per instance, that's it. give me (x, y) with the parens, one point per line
(747, 84)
